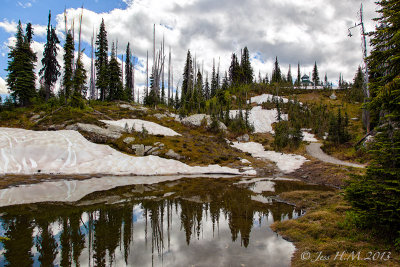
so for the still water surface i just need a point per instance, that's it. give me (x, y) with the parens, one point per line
(190, 222)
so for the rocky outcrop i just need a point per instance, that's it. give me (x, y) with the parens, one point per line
(172, 154)
(198, 119)
(243, 138)
(97, 134)
(129, 140)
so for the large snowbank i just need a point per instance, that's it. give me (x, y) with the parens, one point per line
(262, 119)
(285, 162)
(68, 152)
(151, 127)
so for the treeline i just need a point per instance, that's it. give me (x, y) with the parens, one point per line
(105, 75)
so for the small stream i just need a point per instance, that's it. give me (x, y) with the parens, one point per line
(185, 222)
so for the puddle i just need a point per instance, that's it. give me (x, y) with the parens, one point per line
(186, 222)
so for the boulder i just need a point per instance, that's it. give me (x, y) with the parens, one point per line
(173, 154)
(35, 117)
(243, 138)
(333, 96)
(129, 140)
(99, 134)
(195, 120)
(160, 116)
(139, 150)
(153, 151)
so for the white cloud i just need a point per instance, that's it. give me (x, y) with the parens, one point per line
(3, 86)
(27, 4)
(302, 31)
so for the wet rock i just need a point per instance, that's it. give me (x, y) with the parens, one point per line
(139, 150)
(243, 138)
(173, 154)
(129, 140)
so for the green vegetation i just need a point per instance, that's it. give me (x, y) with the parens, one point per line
(375, 196)
(328, 227)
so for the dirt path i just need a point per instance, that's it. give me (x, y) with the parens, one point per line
(314, 150)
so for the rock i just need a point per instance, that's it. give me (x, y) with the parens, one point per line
(196, 120)
(159, 144)
(153, 151)
(222, 126)
(100, 134)
(160, 116)
(72, 127)
(173, 154)
(139, 150)
(128, 140)
(243, 138)
(333, 96)
(354, 119)
(133, 108)
(35, 117)
(147, 149)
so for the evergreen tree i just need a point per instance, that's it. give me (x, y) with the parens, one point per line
(207, 90)
(102, 61)
(29, 32)
(326, 85)
(198, 91)
(187, 83)
(80, 76)
(298, 80)
(315, 75)
(276, 73)
(234, 71)
(375, 196)
(51, 69)
(116, 91)
(128, 72)
(68, 70)
(266, 80)
(246, 68)
(21, 65)
(356, 92)
(289, 77)
(214, 82)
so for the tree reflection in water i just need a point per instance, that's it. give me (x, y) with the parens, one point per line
(102, 234)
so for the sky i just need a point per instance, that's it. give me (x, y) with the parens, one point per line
(295, 31)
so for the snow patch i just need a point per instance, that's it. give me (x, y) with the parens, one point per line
(285, 162)
(261, 119)
(266, 98)
(309, 137)
(68, 152)
(138, 125)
